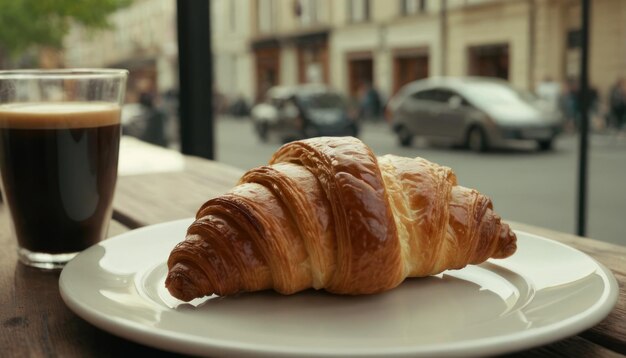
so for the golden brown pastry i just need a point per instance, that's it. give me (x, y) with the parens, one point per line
(328, 214)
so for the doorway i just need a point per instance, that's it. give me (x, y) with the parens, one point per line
(313, 63)
(267, 69)
(360, 72)
(489, 61)
(409, 66)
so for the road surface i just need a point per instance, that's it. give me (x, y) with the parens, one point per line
(525, 185)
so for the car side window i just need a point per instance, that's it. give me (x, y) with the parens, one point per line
(444, 95)
(427, 95)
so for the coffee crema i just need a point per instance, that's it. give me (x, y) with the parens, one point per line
(51, 115)
(58, 165)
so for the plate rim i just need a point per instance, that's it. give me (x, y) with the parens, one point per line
(184, 343)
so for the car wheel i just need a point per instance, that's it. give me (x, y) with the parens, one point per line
(477, 140)
(545, 144)
(405, 137)
(263, 131)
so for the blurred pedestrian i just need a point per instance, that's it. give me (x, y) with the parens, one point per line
(240, 107)
(617, 105)
(572, 107)
(569, 104)
(593, 108)
(370, 103)
(170, 105)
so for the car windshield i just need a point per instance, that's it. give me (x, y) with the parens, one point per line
(322, 101)
(494, 94)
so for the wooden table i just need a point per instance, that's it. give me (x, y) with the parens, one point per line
(35, 321)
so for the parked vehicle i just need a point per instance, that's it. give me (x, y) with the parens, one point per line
(477, 112)
(303, 111)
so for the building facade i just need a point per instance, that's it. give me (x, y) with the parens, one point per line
(231, 32)
(349, 43)
(143, 40)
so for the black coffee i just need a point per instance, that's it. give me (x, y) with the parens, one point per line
(58, 169)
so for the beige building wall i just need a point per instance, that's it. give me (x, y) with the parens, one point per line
(421, 31)
(607, 39)
(289, 66)
(233, 61)
(338, 13)
(607, 60)
(383, 11)
(349, 40)
(286, 23)
(285, 28)
(386, 31)
(144, 31)
(550, 41)
(383, 71)
(535, 31)
(470, 23)
(491, 23)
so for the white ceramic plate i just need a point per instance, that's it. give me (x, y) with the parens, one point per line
(545, 292)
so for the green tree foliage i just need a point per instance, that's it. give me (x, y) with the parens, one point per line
(27, 23)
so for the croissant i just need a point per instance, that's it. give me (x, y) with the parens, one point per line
(326, 213)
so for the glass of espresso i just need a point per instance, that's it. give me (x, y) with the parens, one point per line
(59, 144)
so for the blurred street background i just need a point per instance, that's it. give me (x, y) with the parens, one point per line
(368, 52)
(526, 185)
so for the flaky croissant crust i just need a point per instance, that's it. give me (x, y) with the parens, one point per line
(326, 213)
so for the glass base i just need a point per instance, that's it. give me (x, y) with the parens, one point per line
(44, 260)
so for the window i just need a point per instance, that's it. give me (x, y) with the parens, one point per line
(265, 12)
(574, 39)
(444, 95)
(408, 67)
(436, 95)
(360, 72)
(307, 12)
(412, 7)
(489, 61)
(312, 67)
(427, 95)
(358, 10)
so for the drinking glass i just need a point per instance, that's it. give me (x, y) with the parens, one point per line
(59, 144)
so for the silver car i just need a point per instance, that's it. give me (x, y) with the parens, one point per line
(303, 111)
(477, 112)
